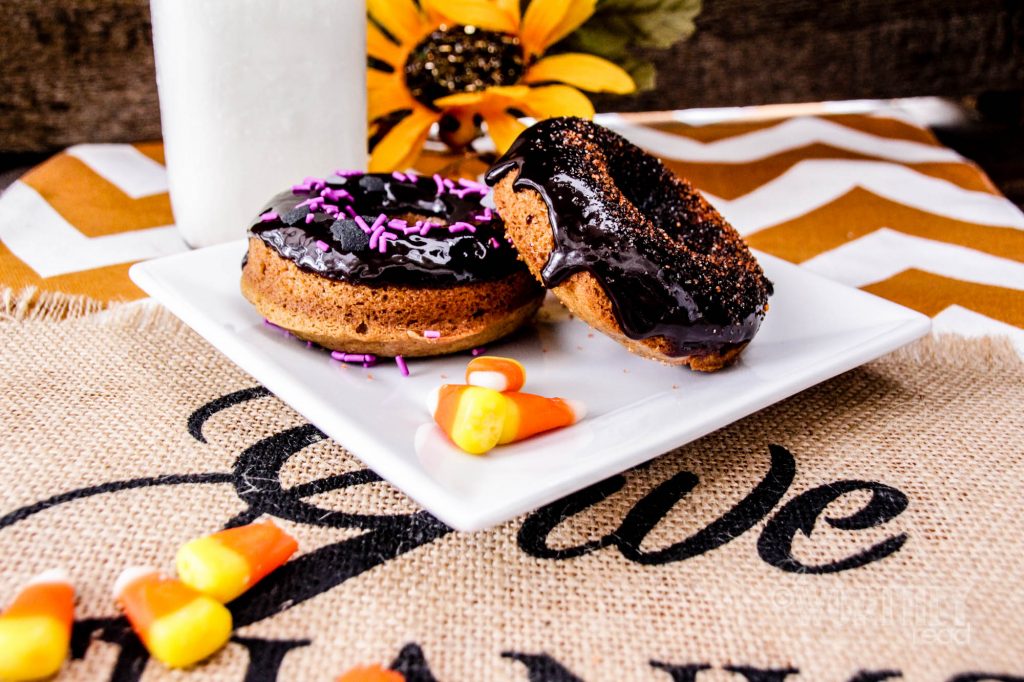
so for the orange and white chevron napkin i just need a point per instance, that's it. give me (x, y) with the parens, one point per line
(870, 200)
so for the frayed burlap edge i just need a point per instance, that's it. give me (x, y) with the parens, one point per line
(32, 304)
(996, 352)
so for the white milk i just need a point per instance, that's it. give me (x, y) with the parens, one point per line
(254, 96)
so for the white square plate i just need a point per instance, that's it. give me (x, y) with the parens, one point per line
(637, 409)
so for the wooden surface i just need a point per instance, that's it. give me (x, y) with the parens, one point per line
(747, 52)
(78, 70)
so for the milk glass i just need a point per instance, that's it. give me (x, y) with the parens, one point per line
(254, 96)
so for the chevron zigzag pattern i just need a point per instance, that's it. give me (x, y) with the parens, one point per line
(868, 199)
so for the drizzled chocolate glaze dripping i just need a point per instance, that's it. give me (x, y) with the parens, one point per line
(670, 264)
(439, 258)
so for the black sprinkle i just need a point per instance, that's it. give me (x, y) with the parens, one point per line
(371, 183)
(349, 235)
(295, 215)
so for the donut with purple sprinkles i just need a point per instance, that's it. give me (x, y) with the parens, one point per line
(387, 264)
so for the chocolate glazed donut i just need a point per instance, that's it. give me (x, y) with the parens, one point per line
(366, 263)
(629, 247)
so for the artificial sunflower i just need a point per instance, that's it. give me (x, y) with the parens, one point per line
(461, 63)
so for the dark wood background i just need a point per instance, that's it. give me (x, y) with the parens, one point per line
(82, 70)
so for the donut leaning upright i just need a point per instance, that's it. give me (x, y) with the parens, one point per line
(629, 247)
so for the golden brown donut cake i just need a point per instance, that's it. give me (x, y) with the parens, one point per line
(393, 264)
(630, 248)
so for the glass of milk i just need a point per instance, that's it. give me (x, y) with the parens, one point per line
(255, 95)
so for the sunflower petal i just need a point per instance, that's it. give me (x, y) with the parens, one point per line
(379, 47)
(584, 71)
(557, 100)
(579, 11)
(480, 13)
(508, 92)
(383, 101)
(542, 17)
(511, 8)
(433, 11)
(503, 128)
(381, 80)
(400, 18)
(402, 145)
(460, 99)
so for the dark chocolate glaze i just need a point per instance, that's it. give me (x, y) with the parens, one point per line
(438, 259)
(670, 264)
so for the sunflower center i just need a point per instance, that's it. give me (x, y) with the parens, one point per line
(462, 59)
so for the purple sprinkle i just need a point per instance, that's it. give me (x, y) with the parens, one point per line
(461, 193)
(335, 194)
(431, 334)
(405, 227)
(478, 351)
(494, 243)
(331, 210)
(449, 184)
(367, 360)
(472, 184)
(358, 220)
(461, 227)
(310, 217)
(398, 224)
(268, 216)
(404, 368)
(348, 173)
(376, 230)
(300, 189)
(382, 243)
(428, 226)
(440, 184)
(411, 176)
(322, 245)
(398, 176)
(314, 184)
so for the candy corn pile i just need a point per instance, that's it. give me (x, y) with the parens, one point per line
(181, 621)
(488, 410)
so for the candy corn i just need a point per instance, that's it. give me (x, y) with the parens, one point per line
(226, 564)
(478, 418)
(528, 414)
(371, 673)
(178, 625)
(36, 628)
(472, 416)
(501, 374)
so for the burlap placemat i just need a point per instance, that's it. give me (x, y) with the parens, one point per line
(867, 529)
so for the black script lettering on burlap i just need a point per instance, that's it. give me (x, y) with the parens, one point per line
(776, 540)
(799, 514)
(256, 480)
